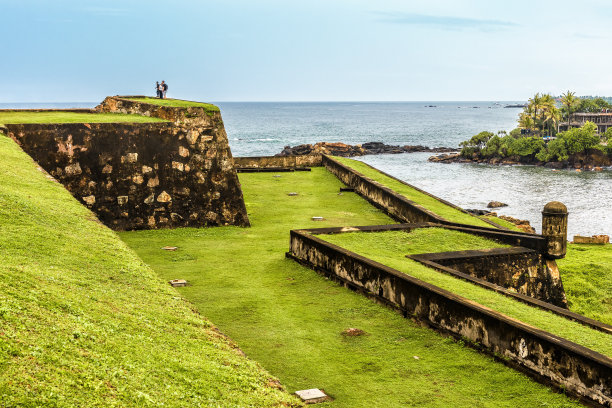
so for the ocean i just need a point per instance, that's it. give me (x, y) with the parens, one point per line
(256, 128)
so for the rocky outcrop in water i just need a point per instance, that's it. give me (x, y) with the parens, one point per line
(591, 159)
(346, 150)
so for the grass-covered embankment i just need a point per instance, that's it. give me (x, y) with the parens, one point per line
(390, 248)
(177, 103)
(84, 323)
(436, 206)
(290, 319)
(587, 278)
(8, 117)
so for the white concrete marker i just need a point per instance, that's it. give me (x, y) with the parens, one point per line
(312, 396)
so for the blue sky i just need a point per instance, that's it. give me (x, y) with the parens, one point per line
(230, 50)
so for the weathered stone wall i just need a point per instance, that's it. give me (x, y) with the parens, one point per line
(397, 206)
(278, 161)
(519, 269)
(143, 175)
(579, 371)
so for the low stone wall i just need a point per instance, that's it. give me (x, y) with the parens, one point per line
(396, 205)
(519, 269)
(277, 161)
(142, 175)
(579, 371)
(594, 240)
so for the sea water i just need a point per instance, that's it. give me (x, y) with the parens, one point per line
(265, 128)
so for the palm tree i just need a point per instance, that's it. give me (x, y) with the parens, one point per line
(570, 102)
(551, 117)
(536, 108)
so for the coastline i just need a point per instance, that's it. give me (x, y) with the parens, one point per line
(592, 160)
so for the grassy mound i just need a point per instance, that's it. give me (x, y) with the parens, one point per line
(7, 117)
(177, 103)
(587, 278)
(292, 320)
(443, 210)
(390, 248)
(83, 322)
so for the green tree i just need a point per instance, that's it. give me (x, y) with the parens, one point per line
(570, 103)
(579, 139)
(554, 150)
(527, 146)
(475, 144)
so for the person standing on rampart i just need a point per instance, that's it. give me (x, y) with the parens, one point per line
(158, 89)
(164, 87)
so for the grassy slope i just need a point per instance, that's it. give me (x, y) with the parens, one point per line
(290, 319)
(587, 278)
(177, 103)
(390, 248)
(72, 117)
(432, 204)
(83, 322)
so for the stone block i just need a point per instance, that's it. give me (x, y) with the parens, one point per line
(89, 200)
(164, 197)
(178, 282)
(178, 166)
(594, 240)
(183, 152)
(312, 396)
(122, 200)
(73, 169)
(153, 182)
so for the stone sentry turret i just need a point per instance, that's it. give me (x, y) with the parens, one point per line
(554, 229)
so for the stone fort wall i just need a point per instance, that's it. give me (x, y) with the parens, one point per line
(143, 175)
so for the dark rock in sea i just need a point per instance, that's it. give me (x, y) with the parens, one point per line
(478, 212)
(496, 204)
(449, 158)
(346, 150)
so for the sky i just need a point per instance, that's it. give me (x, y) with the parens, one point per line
(315, 50)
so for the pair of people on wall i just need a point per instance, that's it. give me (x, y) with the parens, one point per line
(161, 89)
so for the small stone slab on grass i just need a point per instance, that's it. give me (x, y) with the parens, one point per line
(312, 396)
(169, 248)
(292, 194)
(178, 282)
(318, 219)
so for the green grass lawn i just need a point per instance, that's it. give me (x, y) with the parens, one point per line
(177, 103)
(443, 210)
(17, 116)
(391, 247)
(85, 323)
(587, 279)
(290, 319)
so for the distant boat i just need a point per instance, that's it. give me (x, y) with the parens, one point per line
(518, 105)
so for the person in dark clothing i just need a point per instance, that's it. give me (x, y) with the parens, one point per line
(164, 87)
(158, 89)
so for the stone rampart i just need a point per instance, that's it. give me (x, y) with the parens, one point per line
(577, 370)
(278, 161)
(143, 175)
